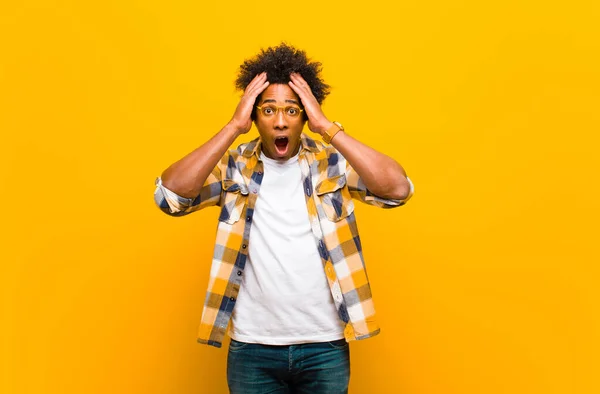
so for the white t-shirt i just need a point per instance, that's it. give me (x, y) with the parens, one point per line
(284, 296)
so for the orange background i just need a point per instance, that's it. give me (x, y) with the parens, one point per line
(485, 282)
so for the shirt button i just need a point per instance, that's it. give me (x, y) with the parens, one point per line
(239, 273)
(232, 299)
(248, 218)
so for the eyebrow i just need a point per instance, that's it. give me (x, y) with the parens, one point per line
(275, 101)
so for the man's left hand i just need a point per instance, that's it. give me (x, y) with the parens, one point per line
(317, 121)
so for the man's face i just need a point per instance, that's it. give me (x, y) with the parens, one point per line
(280, 133)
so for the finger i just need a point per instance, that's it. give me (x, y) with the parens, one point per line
(299, 80)
(261, 88)
(253, 91)
(258, 90)
(299, 91)
(294, 87)
(304, 87)
(258, 79)
(296, 80)
(247, 102)
(305, 93)
(301, 85)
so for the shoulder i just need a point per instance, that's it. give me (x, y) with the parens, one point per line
(246, 148)
(321, 150)
(330, 162)
(242, 152)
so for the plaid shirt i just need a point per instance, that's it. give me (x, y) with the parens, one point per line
(329, 184)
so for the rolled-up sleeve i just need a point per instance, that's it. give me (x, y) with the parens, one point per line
(175, 205)
(359, 191)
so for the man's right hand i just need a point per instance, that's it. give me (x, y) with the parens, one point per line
(241, 120)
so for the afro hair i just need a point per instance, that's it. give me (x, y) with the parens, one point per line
(279, 62)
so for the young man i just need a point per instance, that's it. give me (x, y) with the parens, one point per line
(288, 269)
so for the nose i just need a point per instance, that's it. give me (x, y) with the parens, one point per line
(280, 121)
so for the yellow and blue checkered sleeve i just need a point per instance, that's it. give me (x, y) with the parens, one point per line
(174, 205)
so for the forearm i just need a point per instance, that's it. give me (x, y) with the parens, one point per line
(187, 176)
(382, 175)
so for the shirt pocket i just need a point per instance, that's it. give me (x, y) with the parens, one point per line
(234, 201)
(335, 198)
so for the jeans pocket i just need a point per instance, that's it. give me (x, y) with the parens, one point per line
(338, 344)
(237, 345)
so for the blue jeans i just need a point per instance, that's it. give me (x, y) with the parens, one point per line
(315, 368)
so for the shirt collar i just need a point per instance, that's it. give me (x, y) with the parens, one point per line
(254, 146)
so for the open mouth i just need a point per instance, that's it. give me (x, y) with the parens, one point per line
(281, 145)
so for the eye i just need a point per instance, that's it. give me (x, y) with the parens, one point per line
(268, 110)
(292, 111)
